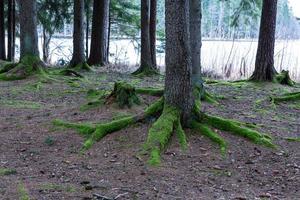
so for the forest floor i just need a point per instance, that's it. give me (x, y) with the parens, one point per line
(41, 161)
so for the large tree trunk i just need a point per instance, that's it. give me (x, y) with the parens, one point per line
(11, 31)
(178, 83)
(153, 13)
(264, 65)
(195, 36)
(99, 42)
(28, 28)
(2, 32)
(78, 34)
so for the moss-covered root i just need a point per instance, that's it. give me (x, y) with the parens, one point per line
(123, 94)
(286, 97)
(237, 129)
(284, 78)
(29, 65)
(206, 131)
(208, 98)
(80, 67)
(83, 129)
(160, 133)
(70, 72)
(98, 131)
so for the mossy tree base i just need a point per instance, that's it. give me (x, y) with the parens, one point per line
(80, 67)
(168, 122)
(146, 71)
(28, 66)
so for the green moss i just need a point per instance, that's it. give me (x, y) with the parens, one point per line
(106, 128)
(83, 129)
(19, 104)
(23, 194)
(293, 139)
(155, 108)
(235, 128)
(284, 78)
(181, 135)
(150, 91)
(92, 104)
(6, 171)
(206, 131)
(145, 71)
(29, 65)
(286, 97)
(81, 67)
(123, 94)
(209, 98)
(160, 133)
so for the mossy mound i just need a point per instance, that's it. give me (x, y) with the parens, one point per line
(284, 78)
(28, 66)
(123, 94)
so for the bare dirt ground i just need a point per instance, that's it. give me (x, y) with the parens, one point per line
(41, 161)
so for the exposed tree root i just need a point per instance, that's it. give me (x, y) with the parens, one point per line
(160, 133)
(70, 72)
(169, 122)
(286, 97)
(236, 128)
(80, 67)
(98, 131)
(29, 65)
(123, 94)
(205, 130)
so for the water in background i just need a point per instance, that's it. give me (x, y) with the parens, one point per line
(229, 60)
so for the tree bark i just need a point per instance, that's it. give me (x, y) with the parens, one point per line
(78, 34)
(28, 28)
(46, 45)
(146, 65)
(195, 36)
(178, 82)
(153, 14)
(11, 31)
(2, 32)
(264, 64)
(99, 41)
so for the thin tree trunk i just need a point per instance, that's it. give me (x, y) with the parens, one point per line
(108, 38)
(153, 14)
(78, 34)
(264, 64)
(28, 28)
(178, 83)
(146, 65)
(2, 32)
(46, 45)
(87, 28)
(99, 41)
(11, 33)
